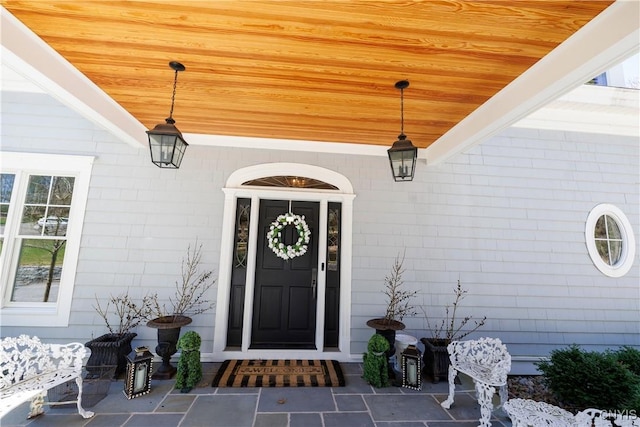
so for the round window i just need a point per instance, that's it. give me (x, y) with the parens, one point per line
(610, 240)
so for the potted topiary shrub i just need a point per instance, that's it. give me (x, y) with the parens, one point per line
(189, 300)
(398, 306)
(189, 367)
(436, 357)
(111, 349)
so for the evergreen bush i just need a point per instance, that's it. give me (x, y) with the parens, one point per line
(582, 379)
(631, 358)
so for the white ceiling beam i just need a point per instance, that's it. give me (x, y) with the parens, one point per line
(590, 108)
(605, 41)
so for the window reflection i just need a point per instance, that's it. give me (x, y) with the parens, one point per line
(47, 206)
(6, 189)
(39, 270)
(608, 240)
(43, 229)
(333, 239)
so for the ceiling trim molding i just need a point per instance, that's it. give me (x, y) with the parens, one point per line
(29, 56)
(287, 144)
(608, 39)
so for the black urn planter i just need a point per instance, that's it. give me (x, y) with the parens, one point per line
(168, 334)
(435, 358)
(109, 350)
(387, 328)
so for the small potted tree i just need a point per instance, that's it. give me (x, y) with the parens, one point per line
(111, 349)
(398, 306)
(436, 357)
(189, 300)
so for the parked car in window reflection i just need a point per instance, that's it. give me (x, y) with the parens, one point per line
(51, 222)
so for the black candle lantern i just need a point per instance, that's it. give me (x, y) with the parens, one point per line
(411, 368)
(165, 140)
(138, 379)
(402, 154)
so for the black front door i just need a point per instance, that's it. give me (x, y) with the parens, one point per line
(284, 311)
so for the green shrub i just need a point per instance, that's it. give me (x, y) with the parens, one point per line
(634, 402)
(631, 358)
(581, 379)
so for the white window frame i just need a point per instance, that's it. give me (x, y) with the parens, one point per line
(22, 165)
(627, 256)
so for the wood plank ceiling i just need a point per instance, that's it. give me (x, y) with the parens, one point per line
(305, 70)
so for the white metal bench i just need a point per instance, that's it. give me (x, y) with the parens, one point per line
(487, 362)
(529, 413)
(29, 368)
(600, 418)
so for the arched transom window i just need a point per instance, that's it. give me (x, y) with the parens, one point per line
(291, 181)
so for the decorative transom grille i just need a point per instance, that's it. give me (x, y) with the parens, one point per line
(291, 182)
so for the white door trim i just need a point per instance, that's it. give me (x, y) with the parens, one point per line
(234, 189)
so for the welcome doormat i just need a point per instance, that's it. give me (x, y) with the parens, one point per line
(279, 373)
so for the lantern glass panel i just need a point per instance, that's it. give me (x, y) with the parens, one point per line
(167, 150)
(180, 148)
(140, 378)
(403, 163)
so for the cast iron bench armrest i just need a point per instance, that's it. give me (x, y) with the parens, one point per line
(29, 368)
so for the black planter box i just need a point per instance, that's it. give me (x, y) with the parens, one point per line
(109, 350)
(436, 359)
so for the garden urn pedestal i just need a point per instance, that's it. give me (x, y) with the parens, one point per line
(168, 333)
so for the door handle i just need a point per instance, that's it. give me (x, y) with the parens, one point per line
(314, 281)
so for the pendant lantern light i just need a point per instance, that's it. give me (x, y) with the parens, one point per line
(165, 140)
(402, 154)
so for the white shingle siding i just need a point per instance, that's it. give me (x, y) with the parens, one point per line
(507, 219)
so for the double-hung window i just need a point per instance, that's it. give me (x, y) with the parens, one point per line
(42, 205)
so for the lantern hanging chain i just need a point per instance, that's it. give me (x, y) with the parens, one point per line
(173, 96)
(401, 111)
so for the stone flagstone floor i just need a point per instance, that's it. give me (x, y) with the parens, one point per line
(355, 405)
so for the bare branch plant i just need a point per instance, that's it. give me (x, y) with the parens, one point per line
(190, 295)
(399, 299)
(128, 313)
(447, 329)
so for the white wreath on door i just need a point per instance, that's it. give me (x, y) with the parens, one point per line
(274, 236)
